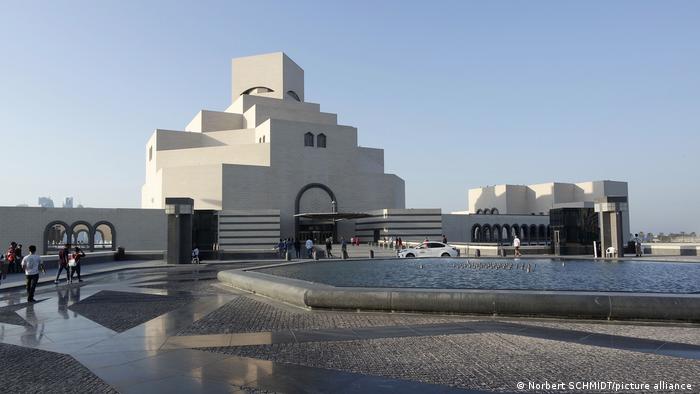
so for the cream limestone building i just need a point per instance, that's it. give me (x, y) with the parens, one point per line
(269, 150)
(531, 202)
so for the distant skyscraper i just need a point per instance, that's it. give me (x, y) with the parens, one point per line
(68, 203)
(45, 202)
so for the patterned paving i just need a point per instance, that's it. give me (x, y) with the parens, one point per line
(176, 329)
(120, 311)
(9, 315)
(244, 314)
(488, 361)
(26, 370)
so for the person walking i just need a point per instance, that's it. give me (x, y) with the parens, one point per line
(280, 248)
(31, 264)
(329, 247)
(309, 247)
(516, 244)
(63, 257)
(297, 248)
(74, 264)
(344, 247)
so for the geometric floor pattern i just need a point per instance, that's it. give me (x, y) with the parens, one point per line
(120, 311)
(9, 315)
(177, 329)
(37, 371)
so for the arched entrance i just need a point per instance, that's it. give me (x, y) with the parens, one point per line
(315, 198)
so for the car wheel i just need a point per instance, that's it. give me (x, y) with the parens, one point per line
(410, 256)
(445, 255)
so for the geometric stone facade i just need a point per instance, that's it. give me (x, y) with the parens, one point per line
(538, 199)
(270, 149)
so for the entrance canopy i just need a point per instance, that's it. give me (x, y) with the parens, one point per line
(332, 216)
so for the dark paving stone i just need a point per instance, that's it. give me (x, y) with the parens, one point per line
(8, 314)
(244, 314)
(26, 370)
(477, 361)
(12, 318)
(120, 311)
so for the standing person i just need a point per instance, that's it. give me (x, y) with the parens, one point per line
(444, 239)
(280, 246)
(63, 257)
(10, 257)
(75, 260)
(400, 243)
(309, 247)
(516, 244)
(18, 256)
(3, 268)
(344, 247)
(31, 265)
(637, 246)
(195, 255)
(297, 248)
(329, 247)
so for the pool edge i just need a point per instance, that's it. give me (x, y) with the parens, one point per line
(579, 305)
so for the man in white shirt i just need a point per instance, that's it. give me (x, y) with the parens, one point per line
(31, 264)
(516, 243)
(309, 247)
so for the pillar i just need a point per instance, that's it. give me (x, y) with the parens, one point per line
(179, 211)
(610, 210)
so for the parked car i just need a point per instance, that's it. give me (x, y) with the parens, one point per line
(429, 249)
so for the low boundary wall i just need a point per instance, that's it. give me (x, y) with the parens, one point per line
(592, 305)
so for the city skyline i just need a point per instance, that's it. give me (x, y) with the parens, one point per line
(495, 94)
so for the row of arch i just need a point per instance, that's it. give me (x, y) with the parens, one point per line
(486, 211)
(506, 233)
(320, 140)
(90, 237)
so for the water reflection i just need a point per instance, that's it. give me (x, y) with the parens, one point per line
(543, 274)
(63, 302)
(33, 334)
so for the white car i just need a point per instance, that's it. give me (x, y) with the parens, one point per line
(429, 249)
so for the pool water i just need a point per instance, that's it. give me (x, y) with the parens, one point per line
(544, 274)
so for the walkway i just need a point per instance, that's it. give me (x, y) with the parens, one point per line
(177, 329)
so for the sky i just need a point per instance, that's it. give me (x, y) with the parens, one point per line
(459, 94)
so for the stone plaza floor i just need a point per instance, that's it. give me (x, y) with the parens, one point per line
(177, 329)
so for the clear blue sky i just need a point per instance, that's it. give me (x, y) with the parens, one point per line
(459, 94)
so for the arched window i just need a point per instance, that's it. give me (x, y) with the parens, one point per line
(486, 231)
(515, 231)
(321, 141)
(263, 139)
(104, 236)
(81, 232)
(55, 236)
(494, 211)
(476, 233)
(308, 139)
(479, 212)
(293, 95)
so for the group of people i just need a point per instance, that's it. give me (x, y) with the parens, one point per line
(70, 262)
(286, 245)
(12, 261)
